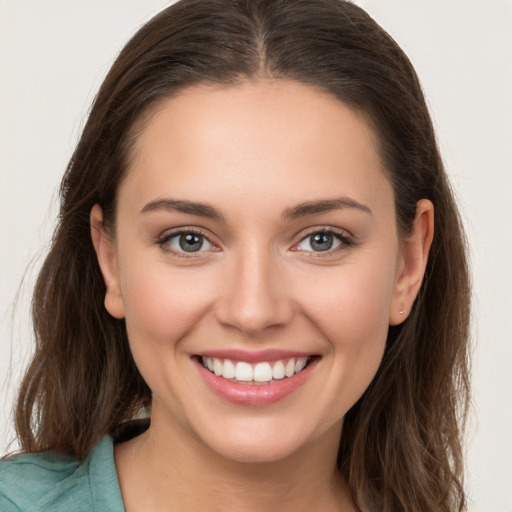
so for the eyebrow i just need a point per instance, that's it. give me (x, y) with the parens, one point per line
(322, 206)
(184, 206)
(301, 210)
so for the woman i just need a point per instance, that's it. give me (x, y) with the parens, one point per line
(246, 248)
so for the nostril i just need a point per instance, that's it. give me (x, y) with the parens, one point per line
(253, 296)
(252, 314)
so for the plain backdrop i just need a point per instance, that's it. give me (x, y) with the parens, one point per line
(53, 56)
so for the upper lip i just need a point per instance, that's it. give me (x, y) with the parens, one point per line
(251, 356)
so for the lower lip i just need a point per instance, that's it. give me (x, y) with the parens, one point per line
(254, 395)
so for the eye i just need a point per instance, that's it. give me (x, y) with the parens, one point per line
(322, 241)
(186, 242)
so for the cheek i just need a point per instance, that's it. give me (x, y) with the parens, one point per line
(350, 302)
(163, 304)
(355, 325)
(350, 308)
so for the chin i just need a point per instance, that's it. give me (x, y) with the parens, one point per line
(266, 442)
(251, 452)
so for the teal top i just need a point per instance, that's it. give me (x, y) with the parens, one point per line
(43, 482)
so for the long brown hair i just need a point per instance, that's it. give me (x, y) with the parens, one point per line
(401, 443)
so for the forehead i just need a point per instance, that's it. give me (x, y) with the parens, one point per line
(278, 138)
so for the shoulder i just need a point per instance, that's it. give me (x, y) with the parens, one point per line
(29, 480)
(43, 481)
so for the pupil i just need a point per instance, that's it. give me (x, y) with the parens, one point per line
(322, 242)
(191, 242)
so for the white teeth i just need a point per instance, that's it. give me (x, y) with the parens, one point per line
(261, 372)
(290, 368)
(278, 370)
(229, 370)
(300, 364)
(217, 367)
(243, 371)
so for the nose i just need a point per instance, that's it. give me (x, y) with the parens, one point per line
(254, 295)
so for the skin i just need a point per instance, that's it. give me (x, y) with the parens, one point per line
(254, 152)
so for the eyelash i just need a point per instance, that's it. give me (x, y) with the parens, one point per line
(163, 242)
(345, 241)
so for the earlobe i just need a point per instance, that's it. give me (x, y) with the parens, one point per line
(106, 254)
(415, 251)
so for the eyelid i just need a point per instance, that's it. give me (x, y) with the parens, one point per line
(345, 238)
(166, 236)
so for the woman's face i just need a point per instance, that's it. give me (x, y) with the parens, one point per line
(255, 233)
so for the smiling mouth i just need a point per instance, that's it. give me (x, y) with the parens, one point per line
(261, 373)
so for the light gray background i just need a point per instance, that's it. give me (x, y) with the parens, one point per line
(53, 56)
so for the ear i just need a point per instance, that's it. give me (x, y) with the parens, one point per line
(106, 254)
(414, 257)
